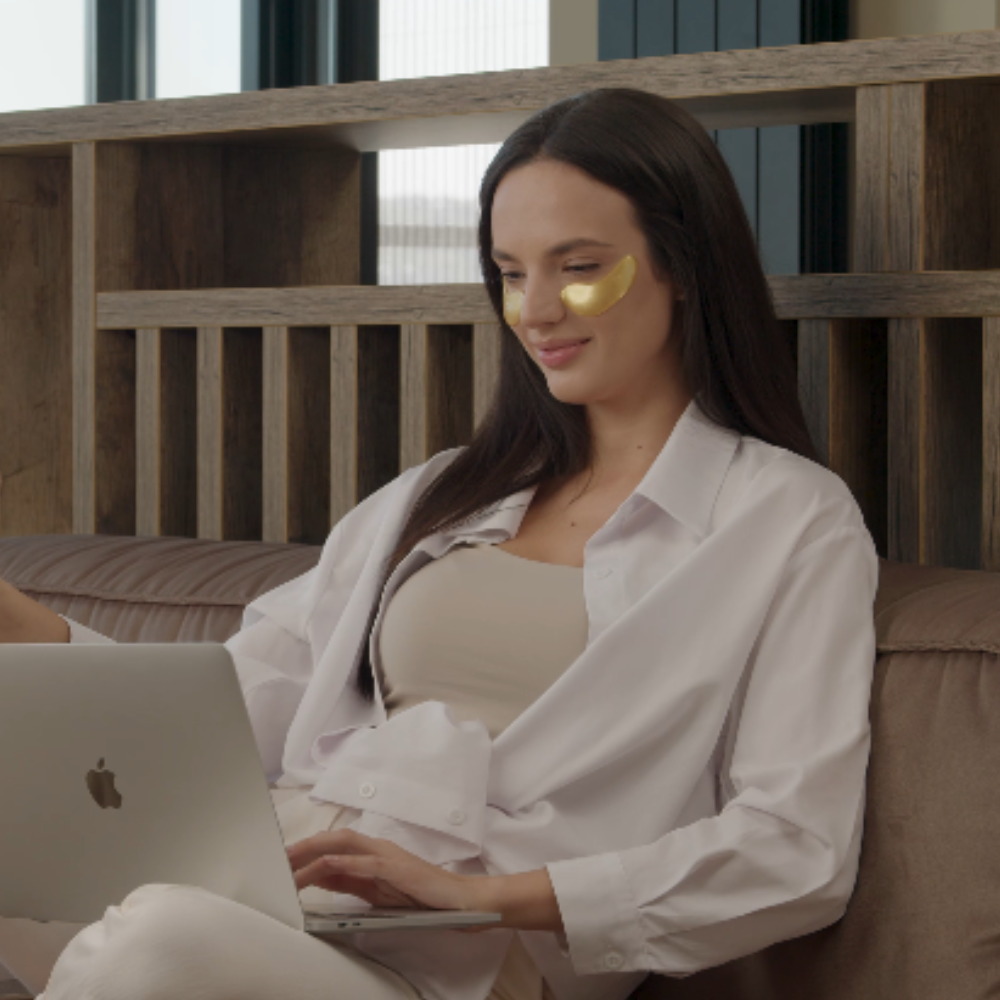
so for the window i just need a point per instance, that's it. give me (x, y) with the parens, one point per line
(428, 198)
(42, 46)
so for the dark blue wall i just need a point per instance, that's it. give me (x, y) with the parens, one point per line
(792, 178)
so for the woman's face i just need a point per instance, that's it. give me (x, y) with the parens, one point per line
(554, 225)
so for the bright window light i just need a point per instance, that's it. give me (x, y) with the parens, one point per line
(42, 45)
(197, 47)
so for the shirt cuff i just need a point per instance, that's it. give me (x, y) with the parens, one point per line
(600, 917)
(82, 634)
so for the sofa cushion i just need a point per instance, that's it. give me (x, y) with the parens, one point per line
(150, 589)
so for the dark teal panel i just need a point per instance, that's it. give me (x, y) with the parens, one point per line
(779, 198)
(780, 22)
(616, 29)
(654, 28)
(739, 147)
(737, 24)
(695, 25)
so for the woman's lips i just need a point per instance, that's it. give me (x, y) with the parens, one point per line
(561, 355)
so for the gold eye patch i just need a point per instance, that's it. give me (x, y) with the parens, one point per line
(592, 300)
(584, 300)
(511, 305)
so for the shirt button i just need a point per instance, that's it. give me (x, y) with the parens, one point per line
(613, 960)
(456, 816)
(367, 790)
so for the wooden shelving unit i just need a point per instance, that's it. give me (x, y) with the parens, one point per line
(184, 348)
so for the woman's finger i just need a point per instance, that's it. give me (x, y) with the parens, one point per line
(330, 874)
(338, 842)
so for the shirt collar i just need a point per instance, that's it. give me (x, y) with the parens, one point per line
(687, 475)
(684, 480)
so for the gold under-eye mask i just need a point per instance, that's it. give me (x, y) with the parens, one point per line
(592, 300)
(512, 302)
(584, 300)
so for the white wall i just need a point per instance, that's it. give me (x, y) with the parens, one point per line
(885, 18)
(573, 32)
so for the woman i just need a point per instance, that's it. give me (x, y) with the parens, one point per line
(625, 703)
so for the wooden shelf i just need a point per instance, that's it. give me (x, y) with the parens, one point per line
(772, 86)
(186, 350)
(829, 296)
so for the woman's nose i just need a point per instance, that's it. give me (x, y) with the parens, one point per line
(541, 304)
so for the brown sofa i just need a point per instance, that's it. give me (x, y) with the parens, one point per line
(924, 921)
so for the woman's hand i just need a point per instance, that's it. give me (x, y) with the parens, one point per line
(383, 873)
(25, 620)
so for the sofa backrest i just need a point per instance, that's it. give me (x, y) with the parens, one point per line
(150, 589)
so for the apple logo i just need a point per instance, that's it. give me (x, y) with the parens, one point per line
(101, 785)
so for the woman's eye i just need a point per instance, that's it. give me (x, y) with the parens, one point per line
(512, 275)
(582, 268)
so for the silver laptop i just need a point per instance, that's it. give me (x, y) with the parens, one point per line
(133, 764)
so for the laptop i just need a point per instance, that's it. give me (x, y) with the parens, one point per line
(124, 765)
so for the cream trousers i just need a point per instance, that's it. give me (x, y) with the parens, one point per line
(184, 943)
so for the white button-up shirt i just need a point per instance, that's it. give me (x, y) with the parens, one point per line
(693, 783)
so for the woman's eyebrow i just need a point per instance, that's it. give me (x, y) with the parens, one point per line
(558, 249)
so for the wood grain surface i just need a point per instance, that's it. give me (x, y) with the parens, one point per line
(800, 81)
(115, 433)
(344, 410)
(831, 296)
(962, 195)
(209, 397)
(990, 525)
(84, 336)
(871, 179)
(275, 434)
(905, 418)
(485, 367)
(36, 429)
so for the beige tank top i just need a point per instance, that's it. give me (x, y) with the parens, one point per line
(482, 630)
(486, 632)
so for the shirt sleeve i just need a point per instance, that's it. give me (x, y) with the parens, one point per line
(81, 634)
(780, 859)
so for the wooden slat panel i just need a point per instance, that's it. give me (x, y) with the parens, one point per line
(413, 386)
(858, 440)
(179, 433)
(309, 449)
(379, 408)
(952, 443)
(275, 431)
(36, 373)
(906, 176)
(991, 444)
(344, 413)
(147, 432)
(871, 203)
(449, 387)
(210, 483)
(115, 433)
(905, 417)
(485, 367)
(813, 359)
(84, 334)
(834, 296)
(242, 434)
(486, 107)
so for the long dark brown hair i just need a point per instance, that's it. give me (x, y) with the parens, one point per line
(735, 357)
